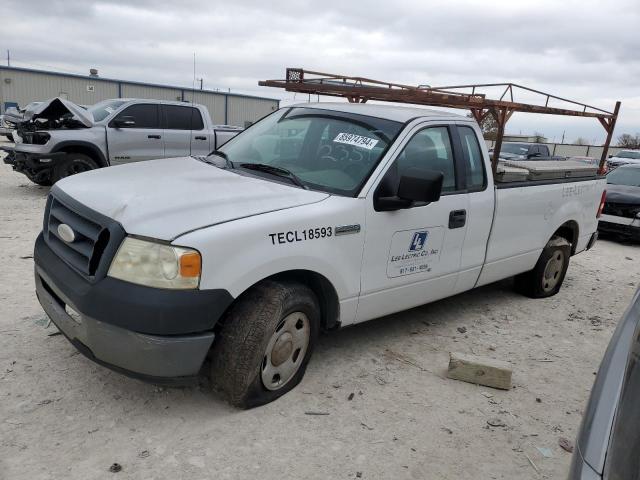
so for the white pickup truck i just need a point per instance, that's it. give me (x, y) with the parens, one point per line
(57, 138)
(319, 216)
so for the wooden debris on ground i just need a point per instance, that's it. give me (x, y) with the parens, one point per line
(479, 370)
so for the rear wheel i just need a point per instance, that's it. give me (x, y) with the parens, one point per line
(265, 344)
(547, 276)
(74, 163)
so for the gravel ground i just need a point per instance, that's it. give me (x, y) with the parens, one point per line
(62, 416)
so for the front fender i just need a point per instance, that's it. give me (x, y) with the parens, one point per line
(241, 253)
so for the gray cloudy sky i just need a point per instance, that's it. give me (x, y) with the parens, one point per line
(585, 50)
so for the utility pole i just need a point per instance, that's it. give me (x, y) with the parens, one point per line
(201, 84)
(562, 141)
(8, 58)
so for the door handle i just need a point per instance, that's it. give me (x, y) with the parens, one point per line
(457, 218)
(153, 136)
(199, 137)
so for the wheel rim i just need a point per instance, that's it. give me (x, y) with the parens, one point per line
(553, 271)
(285, 351)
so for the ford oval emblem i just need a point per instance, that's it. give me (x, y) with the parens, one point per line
(66, 233)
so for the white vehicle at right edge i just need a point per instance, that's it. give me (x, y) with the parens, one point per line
(319, 216)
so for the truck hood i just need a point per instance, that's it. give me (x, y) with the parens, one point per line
(55, 108)
(166, 198)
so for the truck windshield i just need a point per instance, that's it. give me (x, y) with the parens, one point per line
(515, 148)
(103, 109)
(326, 150)
(625, 176)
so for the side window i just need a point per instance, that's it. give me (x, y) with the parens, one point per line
(144, 115)
(476, 177)
(430, 149)
(182, 118)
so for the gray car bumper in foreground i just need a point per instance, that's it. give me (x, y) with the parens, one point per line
(174, 359)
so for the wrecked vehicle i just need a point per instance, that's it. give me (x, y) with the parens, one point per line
(621, 213)
(13, 116)
(59, 138)
(318, 216)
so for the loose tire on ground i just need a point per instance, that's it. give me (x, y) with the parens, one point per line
(74, 163)
(547, 276)
(265, 343)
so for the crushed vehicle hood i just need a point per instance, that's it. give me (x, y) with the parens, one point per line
(13, 115)
(623, 194)
(166, 198)
(56, 107)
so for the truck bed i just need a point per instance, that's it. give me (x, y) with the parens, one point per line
(528, 212)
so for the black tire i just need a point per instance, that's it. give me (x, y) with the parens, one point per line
(42, 181)
(74, 163)
(242, 353)
(547, 276)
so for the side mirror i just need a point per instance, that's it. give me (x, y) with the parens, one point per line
(124, 122)
(417, 186)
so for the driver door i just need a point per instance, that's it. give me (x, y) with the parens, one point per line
(140, 141)
(412, 256)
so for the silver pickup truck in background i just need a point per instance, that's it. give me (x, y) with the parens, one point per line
(59, 138)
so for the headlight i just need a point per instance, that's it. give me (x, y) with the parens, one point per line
(156, 264)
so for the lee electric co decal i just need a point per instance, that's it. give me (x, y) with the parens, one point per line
(414, 251)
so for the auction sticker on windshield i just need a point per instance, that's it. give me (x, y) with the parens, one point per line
(414, 251)
(356, 140)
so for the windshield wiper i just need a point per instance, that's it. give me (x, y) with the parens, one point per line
(278, 171)
(221, 154)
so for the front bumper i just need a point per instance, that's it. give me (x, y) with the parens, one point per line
(36, 166)
(118, 330)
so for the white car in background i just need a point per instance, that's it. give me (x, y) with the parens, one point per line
(623, 157)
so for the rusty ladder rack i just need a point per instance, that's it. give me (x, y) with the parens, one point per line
(360, 90)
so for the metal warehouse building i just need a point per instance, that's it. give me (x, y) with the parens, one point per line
(20, 86)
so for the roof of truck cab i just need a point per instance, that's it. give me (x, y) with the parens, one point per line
(153, 100)
(396, 113)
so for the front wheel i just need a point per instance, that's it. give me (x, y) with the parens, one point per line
(547, 276)
(73, 164)
(265, 343)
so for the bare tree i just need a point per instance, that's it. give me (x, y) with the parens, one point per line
(581, 141)
(627, 140)
(489, 127)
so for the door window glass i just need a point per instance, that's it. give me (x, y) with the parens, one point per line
(476, 178)
(430, 149)
(182, 118)
(144, 115)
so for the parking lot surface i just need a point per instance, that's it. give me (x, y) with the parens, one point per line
(386, 408)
